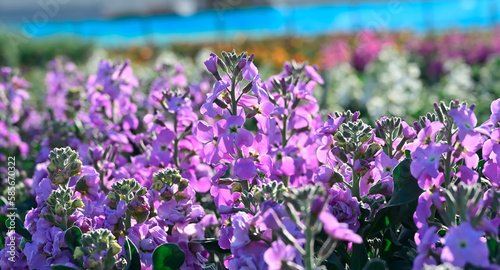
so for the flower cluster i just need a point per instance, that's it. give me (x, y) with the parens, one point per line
(247, 174)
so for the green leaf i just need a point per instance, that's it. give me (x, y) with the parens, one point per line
(375, 264)
(168, 257)
(62, 267)
(386, 217)
(131, 255)
(333, 262)
(19, 228)
(212, 245)
(406, 187)
(493, 246)
(73, 237)
(359, 256)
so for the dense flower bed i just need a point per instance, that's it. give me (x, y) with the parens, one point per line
(234, 171)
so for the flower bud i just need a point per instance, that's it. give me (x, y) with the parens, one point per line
(60, 178)
(113, 196)
(183, 184)
(372, 150)
(60, 211)
(242, 63)
(115, 248)
(49, 217)
(78, 253)
(220, 103)
(236, 188)
(51, 168)
(167, 193)
(142, 191)
(211, 63)
(317, 206)
(77, 203)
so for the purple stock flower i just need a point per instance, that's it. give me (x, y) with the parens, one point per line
(408, 131)
(146, 239)
(235, 136)
(113, 216)
(245, 168)
(428, 241)
(250, 71)
(339, 231)
(464, 244)
(465, 121)
(313, 74)
(161, 148)
(208, 135)
(12, 256)
(278, 254)
(344, 207)
(240, 224)
(208, 108)
(426, 163)
(495, 111)
(211, 63)
(467, 175)
(427, 135)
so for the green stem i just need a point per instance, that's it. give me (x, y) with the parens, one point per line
(355, 185)
(128, 220)
(64, 223)
(234, 102)
(309, 248)
(286, 180)
(389, 145)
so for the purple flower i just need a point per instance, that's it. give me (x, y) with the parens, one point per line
(161, 153)
(279, 254)
(240, 224)
(429, 239)
(245, 168)
(427, 135)
(408, 131)
(88, 183)
(12, 257)
(272, 220)
(492, 172)
(211, 63)
(313, 74)
(467, 175)
(250, 71)
(495, 111)
(208, 135)
(464, 244)
(323, 174)
(465, 121)
(146, 239)
(208, 108)
(235, 135)
(423, 211)
(331, 126)
(113, 216)
(426, 163)
(339, 231)
(344, 207)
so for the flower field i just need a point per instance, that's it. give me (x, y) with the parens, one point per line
(223, 168)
